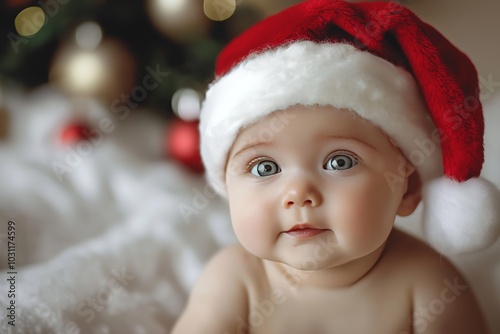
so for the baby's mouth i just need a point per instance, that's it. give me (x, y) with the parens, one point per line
(305, 231)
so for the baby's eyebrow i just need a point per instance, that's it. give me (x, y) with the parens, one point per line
(249, 146)
(348, 138)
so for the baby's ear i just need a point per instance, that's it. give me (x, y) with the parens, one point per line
(412, 196)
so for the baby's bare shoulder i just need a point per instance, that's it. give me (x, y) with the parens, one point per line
(439, 292)
(224, 272)
(220, 296)
(404, 251)
(414, 263)
(235, 263)
(238, 258)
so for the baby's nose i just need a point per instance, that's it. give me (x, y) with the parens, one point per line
(301, 193)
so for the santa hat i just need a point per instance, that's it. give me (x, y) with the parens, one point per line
(381, 61)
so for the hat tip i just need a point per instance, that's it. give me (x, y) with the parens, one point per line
(461, 217)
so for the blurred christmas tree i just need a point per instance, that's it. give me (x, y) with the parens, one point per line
(105, 48)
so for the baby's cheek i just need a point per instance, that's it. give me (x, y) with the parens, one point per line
(252, 228)
(364, 211)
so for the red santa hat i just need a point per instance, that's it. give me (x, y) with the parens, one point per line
(381, 61)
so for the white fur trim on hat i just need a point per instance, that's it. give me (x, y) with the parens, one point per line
(309, 74)
(461, 217)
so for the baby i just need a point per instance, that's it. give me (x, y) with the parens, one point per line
(324, 123)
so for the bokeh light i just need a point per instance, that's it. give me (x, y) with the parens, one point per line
(85, 71)
(29, 21)
(219, 10)
(181, 20)
(172, 7)
(88, 35)
(186, 104)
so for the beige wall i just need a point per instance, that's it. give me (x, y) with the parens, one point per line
(472, 25)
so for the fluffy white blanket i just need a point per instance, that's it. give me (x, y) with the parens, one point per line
(114, 244)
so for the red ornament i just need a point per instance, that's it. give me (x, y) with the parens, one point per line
(74, 132)
(18, 3)
(183, 144)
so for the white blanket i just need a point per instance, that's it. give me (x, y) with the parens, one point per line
(115, 244)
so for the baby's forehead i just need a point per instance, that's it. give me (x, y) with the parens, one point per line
(312, 113)
(318, 120)
(314, 125)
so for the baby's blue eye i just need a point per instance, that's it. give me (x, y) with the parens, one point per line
(265, 168)
(340, 162)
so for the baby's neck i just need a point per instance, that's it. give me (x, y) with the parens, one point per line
(341, 276)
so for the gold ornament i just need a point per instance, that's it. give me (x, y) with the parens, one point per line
(104, 72)
(219, 10)
(180, 20)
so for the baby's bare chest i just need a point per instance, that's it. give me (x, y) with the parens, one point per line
(284, 311)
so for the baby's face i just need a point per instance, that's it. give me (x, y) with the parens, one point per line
(309, 187)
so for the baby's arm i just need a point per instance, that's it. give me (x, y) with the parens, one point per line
(218, 299)
(445, 303)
